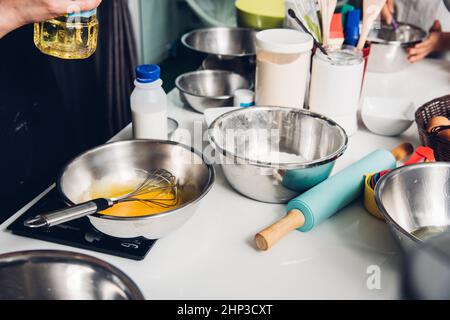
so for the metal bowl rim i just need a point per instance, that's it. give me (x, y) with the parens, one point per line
(399, 43)
(204, 192)
(330, 158)
(229, 74)
(76, 256)
(188, 34)
(381, 184)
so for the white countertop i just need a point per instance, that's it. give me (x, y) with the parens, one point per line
(213, 256)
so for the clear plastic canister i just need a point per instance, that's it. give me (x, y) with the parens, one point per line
(336, 86)
(283, 61)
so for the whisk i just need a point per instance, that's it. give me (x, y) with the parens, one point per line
(160, 184)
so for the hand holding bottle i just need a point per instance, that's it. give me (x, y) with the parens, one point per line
(16, 13)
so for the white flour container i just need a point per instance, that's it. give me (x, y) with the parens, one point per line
(336, 86)
(283, 60)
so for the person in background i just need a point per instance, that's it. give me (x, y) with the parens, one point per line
(420, 13)
(16, 13)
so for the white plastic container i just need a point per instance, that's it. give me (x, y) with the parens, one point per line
(149, 104)
(283, 61)
(336, 86)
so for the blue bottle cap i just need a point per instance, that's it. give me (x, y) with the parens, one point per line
(148, 73)
(352, 27)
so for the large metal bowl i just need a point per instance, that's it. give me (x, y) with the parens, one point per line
(415, 201)
(388, 52)
(210, 88)
(61, 275)
(240, 138)
(123, 160)
(223, 42)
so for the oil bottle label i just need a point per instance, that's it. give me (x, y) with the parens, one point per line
(84, 14)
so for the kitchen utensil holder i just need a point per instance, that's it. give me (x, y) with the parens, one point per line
(434, 108)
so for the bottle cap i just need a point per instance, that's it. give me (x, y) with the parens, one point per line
(244, 98)
(148, 73)
(285, 41)
(346, 8)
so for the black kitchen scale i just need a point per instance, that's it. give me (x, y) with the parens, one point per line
(78, 233)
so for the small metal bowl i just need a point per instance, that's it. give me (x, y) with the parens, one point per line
(62, 275)
(209, 88)
(242, 136)
(223, 42)
(415, 201)
(388, 51)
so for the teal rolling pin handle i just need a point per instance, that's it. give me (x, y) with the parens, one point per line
(324, 200)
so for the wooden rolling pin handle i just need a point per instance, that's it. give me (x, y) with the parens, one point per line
(402, 151)
(271, 235)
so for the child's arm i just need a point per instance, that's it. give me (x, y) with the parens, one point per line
(437, 41)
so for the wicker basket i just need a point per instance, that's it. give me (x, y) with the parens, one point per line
(434, 108)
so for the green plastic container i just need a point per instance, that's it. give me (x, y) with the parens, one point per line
(260, 14)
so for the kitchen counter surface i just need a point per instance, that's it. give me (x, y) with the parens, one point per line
(213, 256)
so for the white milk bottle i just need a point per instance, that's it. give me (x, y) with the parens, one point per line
(149, 104)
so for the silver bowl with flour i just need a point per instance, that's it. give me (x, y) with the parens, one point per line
(272, 154)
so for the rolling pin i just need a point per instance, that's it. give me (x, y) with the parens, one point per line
(330, 196)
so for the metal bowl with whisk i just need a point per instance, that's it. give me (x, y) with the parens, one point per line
(415, 201)
(113, 163)
(271, 154)
(207, 89)
(223, 42)
(62, 275)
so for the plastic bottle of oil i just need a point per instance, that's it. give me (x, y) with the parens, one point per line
(73, 36)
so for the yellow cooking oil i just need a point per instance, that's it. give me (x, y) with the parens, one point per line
(73, 36)
(135, 208)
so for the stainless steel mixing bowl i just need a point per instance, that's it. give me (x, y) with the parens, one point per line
(415, 201)
(426, 270)
(249, 142)
(389, 48)
(222, 42)
(62, 275)
(209, 88)
(123, 160)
